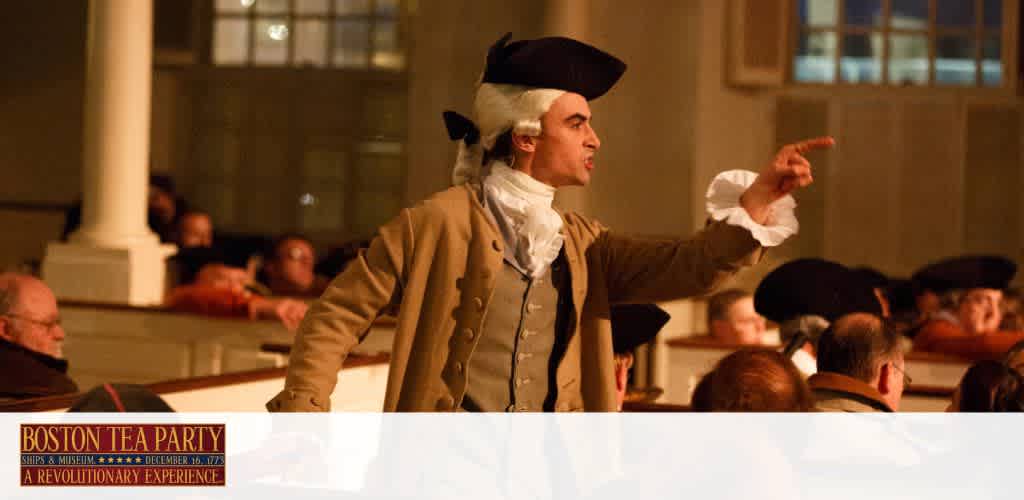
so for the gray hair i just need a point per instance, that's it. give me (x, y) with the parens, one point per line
(809, 324)
(9, 288)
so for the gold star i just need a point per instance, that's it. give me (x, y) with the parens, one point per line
(119, 460)
(101, 460)
(138, 460)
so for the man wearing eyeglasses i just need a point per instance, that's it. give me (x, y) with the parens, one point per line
(860, 366)
(31, 340)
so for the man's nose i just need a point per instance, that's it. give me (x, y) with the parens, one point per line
(58, 332)
(592, 141)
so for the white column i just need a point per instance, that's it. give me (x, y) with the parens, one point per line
(568, 18)
(114, 256)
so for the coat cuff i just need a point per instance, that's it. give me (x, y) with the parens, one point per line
(723, 203)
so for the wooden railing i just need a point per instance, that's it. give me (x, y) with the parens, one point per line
(49, 403)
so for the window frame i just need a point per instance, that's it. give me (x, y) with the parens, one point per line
(1008, 34)
(372, 17)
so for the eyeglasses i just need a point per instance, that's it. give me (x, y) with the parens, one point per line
(906, 378)
(48, 325)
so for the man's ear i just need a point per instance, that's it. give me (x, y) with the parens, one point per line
(5, 329)
(885, 375)
(524, 143)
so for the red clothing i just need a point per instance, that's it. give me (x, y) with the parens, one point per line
(211, 301)
(939, 335)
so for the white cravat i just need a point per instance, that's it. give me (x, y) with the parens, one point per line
(529, 225)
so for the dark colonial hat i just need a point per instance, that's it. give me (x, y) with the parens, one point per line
(120, 398)
(975, 271)
(814, 287)
(553, 63)
(636, 324)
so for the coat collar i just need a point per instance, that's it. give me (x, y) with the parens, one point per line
(58, 364)
(848, 386)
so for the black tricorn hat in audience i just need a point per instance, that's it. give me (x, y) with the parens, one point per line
(814, 287)
(120, 398)
(636, 324)
(553, 63)
(966, 272)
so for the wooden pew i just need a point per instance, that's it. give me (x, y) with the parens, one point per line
(143, 345)
(361, 384)
(934, 375)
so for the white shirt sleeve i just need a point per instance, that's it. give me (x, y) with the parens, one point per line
(723, 203)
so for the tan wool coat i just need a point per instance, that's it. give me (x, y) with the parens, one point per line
(439, 261)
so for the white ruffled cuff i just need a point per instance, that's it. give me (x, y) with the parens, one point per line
(723, 203)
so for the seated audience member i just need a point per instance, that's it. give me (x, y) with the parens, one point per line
(632, 326)
(194, 229)
(732, 318)
(700, 400)
(860, 366)
(973, 333)
(223, 288)
(1014, 357)
(803, 296)
(754, 380)
(31, 340)
(120, 398)
(1012, 319)
(289, 268)
(989, 386)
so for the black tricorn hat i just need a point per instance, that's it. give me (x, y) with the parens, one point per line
(814, 286)
(966, 272)
(120, 398)
(636, 324)
(554, 63)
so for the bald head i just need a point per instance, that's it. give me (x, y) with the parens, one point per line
(28, 314)
(860, 346)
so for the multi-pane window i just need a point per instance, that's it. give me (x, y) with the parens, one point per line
(317, 33)
(900, 42)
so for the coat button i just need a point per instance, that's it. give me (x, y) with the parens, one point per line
(532, 308)
(526, 334)
(479, 303)
(458, 367)
(469, 333)
(446, 402)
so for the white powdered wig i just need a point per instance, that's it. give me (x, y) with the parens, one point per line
(497, 109)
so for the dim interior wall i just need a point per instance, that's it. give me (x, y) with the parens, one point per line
(918, 174)
(450, 39)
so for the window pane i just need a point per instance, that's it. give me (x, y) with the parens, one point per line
(991, 62)
(347, 7)
(230, 41)
(311, 43)
(954, 61)
(351, 43)
(271, 44)
(818, 13)
(272, 6)
(386, 51)
(909, 14)
(307, 7)
(863, 12)
(958, 13)
(387, 8)
(908, 59)
(862, 58)
(373, 209)
(380, 173)
(815, 57)
(993, 13)
(233, 6)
